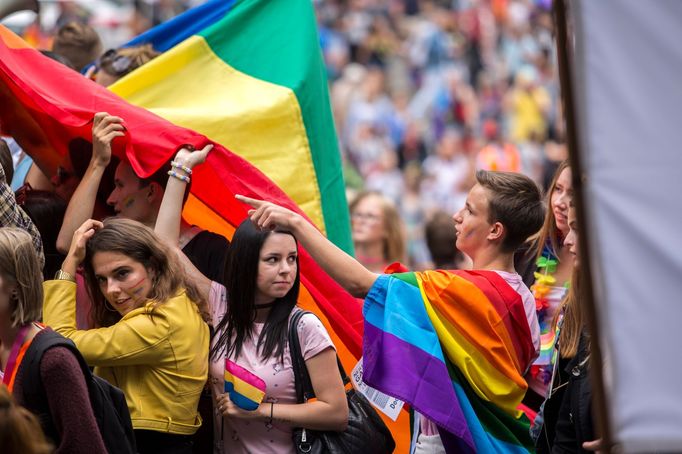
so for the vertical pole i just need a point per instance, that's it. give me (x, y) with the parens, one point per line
(599, 400)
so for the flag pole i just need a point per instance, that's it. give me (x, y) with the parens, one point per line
(599, 398)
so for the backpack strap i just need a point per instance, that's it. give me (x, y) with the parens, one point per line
(32, 383)
(304, 387)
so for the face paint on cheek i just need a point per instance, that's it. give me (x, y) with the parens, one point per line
(136, 289)
(128, 202)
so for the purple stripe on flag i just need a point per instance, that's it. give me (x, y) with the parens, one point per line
(402, 370)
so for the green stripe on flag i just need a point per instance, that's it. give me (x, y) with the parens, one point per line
(281, 46)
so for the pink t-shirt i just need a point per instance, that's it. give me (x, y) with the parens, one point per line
(239, 436)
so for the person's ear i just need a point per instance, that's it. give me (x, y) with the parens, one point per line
(154, 190)
(497, 231)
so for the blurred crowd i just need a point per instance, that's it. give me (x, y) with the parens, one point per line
(424, 92)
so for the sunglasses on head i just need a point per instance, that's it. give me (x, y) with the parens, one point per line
(119, 64)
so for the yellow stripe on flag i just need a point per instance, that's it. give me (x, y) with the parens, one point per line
(191, 85)
(245, 389)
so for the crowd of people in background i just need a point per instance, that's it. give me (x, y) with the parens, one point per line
(438, 105)
(426, 92)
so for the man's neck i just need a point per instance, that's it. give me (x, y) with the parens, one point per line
(493, 259)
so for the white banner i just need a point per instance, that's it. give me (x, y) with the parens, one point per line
(628, 83)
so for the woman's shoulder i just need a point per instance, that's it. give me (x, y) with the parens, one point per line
(313, 336)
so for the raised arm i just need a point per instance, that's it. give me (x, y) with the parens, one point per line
(170, 213)
(105, 128)
(343, 268)
(11, 215)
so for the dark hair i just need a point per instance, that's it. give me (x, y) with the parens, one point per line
(46, 209)
(80, 153)
(78, 43)
(516, 202)
(160, 177)
(137, 241)
(6, 161)
(441, 237)
(241, 272)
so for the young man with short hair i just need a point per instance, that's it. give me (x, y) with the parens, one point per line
(135, 198)
(453, 344)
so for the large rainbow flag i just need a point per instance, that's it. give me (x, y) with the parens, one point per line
(249, 74)
(454, 345)
(44, 105)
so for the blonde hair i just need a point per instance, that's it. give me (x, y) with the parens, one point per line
(20, 431)
(572, 325)
(549, 232)
(20, 267)
(140, 243)
(394, 242)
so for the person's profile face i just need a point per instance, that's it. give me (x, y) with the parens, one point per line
(471, 222)
(129, 198)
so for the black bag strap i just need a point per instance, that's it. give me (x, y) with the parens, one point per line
(304, 387)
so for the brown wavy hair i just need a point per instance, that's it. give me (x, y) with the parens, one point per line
(20, 431)
(394, 242)
(140, 243)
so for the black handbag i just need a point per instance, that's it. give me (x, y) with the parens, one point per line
(366, 432)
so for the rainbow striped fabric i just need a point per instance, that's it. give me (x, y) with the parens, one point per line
(454, 345)
(249, 75)
(44, 105)
(246, 390)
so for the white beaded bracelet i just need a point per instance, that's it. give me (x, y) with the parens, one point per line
(177, 165)
(183, 178)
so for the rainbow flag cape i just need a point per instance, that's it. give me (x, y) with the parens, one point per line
(454, 345)
(44, 105)
(249, 74)
(245, 388)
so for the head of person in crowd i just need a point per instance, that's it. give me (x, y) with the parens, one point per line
(262, 272)
(20, 430)
(126, 265)
(558, 197)
(449, 145)
(138, 198)
(79, 43)
(501, 212)
(21, 279)
(378, 231)
(71, 170)
(6, 161)
(46, 209)
(116, 63)
(59, 58)
(440, 239)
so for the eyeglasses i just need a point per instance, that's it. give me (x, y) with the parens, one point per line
(119, 64)
(369, 217)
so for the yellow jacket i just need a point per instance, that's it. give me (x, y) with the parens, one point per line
(160, 362)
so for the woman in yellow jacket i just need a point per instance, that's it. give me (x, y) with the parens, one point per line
(151, 340)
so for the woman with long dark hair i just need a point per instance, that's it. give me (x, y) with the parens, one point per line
(250, 315)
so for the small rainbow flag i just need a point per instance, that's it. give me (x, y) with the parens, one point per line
(454, 345)
(246, 389)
